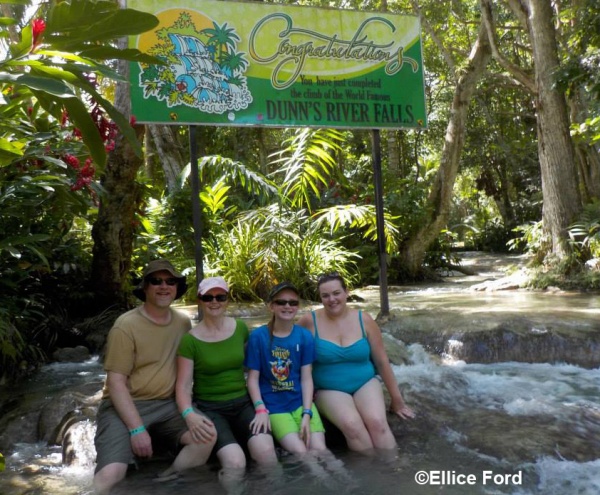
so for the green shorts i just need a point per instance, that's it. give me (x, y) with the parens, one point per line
(283, 424)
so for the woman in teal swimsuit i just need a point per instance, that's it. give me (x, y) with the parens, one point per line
(350, 353)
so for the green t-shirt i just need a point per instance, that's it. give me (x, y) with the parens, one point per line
(218, 366)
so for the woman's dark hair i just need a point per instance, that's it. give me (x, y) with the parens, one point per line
(328, 277)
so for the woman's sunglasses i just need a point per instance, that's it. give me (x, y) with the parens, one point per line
(159, 281)
(283, 302)
(210, 297)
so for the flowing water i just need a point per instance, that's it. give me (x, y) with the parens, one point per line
(482, 428)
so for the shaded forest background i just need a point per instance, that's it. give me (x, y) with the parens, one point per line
(87, 197)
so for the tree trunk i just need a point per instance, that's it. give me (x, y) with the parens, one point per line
(113, 232)
(169, 153)
(440, 197)
(559, 174)
(393, 152)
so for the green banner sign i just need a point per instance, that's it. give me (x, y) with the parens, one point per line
(230, 63)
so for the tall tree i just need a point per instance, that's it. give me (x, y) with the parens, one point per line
(555, 149)
(440, 197)
(113, 232)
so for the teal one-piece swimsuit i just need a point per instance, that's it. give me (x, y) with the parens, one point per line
(345, 369)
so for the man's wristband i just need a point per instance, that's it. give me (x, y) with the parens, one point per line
(185, 412)
(307, 411)
(262, 411)
(137, 431)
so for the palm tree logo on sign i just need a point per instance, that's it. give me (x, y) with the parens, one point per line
(202, 68)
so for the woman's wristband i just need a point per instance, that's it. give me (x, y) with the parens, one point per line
(262, 410)
(185, 412)
(258, 403)
(137, 431)
(307, 411)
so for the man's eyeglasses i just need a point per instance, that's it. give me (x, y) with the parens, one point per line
(283, 302)
(210, 297)
(159, 281)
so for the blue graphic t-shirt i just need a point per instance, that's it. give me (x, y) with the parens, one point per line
(278, 360)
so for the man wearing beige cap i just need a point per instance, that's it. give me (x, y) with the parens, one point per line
(138, 414)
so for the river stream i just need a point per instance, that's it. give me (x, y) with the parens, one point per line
(482, 428)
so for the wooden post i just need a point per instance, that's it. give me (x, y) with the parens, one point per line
(383, 289)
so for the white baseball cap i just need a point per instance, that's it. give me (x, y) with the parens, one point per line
(212, 283)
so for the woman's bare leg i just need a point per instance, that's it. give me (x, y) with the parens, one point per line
(340, 409)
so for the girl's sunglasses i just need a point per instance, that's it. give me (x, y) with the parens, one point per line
(283, 302)
(210, 297)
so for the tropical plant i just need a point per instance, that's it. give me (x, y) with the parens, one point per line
(55, 130)
(306, 164)
(267, 245)
(362, 218)
(532, 240)
(585, 232)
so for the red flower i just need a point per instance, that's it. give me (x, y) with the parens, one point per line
(73, 161)
(38, 27)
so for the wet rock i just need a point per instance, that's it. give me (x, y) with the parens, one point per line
(510, 282)
(77, 354)
(56, 412)
(18, 426)
(500, 338)
(396, 350)
(46, 420)
(593, 264)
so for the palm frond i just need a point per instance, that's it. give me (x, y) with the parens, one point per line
(360, 217)
(236, 173)
(307, 162)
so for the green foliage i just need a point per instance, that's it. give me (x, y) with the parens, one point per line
(53, 133)
(570, 272)
(441, 255)
(50, 64)
(493, 237)
(214, 199)
(307, 163)
(16, 354)
(581, 22)
(532, 240)
(166, 230)
(359, 218)
(256, 246)
(219, 168)
(267, 245)
(585, 233)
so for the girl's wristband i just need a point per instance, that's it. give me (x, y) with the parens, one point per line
(185, 412)
(262, 411)
(258, 403)
(137, 431)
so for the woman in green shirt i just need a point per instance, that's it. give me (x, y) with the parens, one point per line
(210, 378)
